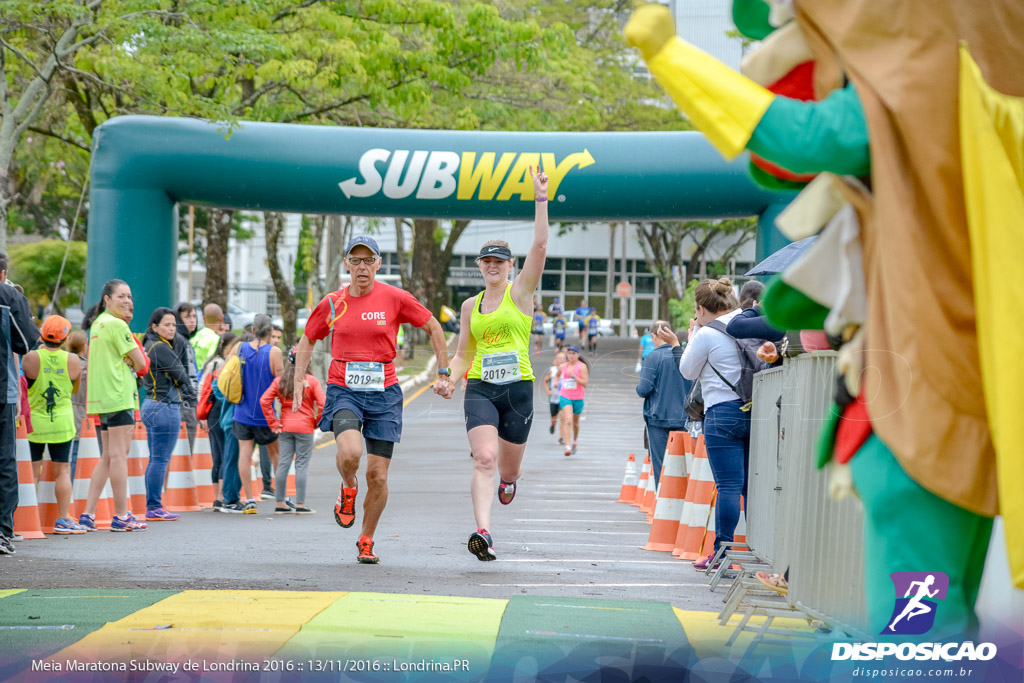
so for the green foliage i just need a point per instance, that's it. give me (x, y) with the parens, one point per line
(682, 310)
(35, 267)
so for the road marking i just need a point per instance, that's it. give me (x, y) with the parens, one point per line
(589, 636)
(563, 531)
(589, 521)
(594, 585)
(604, 512)
(581, 545)
(328, 441)
(601, 561)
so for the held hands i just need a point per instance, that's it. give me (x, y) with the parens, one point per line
(540, 184)
(444, 387)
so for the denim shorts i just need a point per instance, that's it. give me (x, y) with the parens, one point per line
(380, 412)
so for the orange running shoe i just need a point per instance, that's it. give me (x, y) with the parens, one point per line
(365, 546)
(345, 507)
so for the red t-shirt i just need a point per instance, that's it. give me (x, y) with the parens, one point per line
(365, 327)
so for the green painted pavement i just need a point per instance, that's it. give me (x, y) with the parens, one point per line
(46, 611)
(559, 637)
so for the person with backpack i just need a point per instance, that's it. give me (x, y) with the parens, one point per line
(725, 371)
(209, 408)
(295, 431)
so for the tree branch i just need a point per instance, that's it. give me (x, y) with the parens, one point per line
(58, 136)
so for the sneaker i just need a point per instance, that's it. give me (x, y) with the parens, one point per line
(233, 508)
(365, 546)
(568, 451)
(63, 525)
(574, 445)
(268, 494)
(481, 545)
(283, 510)
(249, 508)
(551, 429)
(704, 564)
(87, 522)
(290, 504)
(6, 546)
(304, 510)
(561, 442)
(345, 507)
(506, 491)
(161, 515)
(218, 505)
(128, 523)
(17, 538)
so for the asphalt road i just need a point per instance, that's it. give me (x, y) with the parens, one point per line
(564, 535)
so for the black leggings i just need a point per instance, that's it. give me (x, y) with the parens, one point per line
(509, 407)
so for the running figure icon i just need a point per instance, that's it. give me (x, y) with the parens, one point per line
(915, 607)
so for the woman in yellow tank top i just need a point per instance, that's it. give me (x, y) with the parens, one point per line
(494, 343)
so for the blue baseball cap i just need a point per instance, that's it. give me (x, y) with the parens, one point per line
(572, 348)
(368, 242)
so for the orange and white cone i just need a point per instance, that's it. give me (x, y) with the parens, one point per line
(180, 494)
(27, 521)
(629, 481)
(138, 460)
(641, 488)
(700, 492)
(46, 495)
(671, 496)
(202, 467)
(651, 495)
(88, 459)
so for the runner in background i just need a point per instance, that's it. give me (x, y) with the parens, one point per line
(575, 376)
(646, 346)
(558, 329)
(364, 399)
(495, 344)
(593, 329)
(555, 309)
(582, 311)
(538, 328)
(552, 386)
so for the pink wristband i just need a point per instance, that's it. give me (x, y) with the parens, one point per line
(540, 199)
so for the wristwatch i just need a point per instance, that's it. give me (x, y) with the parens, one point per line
(445, 372)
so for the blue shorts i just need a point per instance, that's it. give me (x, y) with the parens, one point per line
(379, 411)
(576, 403)
(560, 335)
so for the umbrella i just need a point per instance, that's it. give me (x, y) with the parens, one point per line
(780, 260)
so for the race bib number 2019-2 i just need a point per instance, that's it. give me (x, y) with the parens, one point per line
(501, 367)
(364, 376)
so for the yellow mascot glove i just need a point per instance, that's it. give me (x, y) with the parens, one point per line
(721, 103)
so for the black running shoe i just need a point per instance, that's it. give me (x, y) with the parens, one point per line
(480, 544)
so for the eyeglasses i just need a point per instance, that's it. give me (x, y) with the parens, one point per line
(368, 260)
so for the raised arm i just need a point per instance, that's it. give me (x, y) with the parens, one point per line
(528, 278)
(302, 355)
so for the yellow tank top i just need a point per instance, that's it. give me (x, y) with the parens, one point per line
(49, 398)
(503, 331)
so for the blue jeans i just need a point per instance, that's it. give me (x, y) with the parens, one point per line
(230, 482)
(657, 440)
(727, 438)
(163, 424)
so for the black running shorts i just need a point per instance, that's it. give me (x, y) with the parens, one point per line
(509, 407)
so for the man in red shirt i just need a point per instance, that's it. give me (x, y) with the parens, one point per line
(364, 400)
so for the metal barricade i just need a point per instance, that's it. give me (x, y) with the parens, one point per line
(792, 521)
(763, 477)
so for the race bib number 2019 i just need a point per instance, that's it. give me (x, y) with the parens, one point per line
(500, 367)
(364, 376)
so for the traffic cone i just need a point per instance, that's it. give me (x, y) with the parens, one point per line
(641, 489)
(180, 493)
(629, 481)
(740, 535)
(138, 460)
(651, 495)
(88, 459)
(700, 492)
(27, 521)
(202, 462)
(707, 539)
(46, 495)
(671, 496)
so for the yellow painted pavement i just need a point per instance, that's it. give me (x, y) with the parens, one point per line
(213, 625)
(4, 592)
